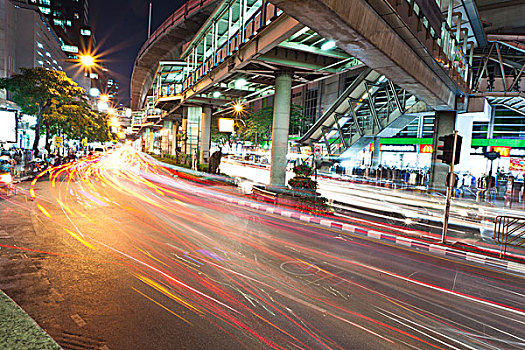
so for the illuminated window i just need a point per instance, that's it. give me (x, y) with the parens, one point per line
(45, 10)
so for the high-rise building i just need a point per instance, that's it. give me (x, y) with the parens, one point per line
(69, 18)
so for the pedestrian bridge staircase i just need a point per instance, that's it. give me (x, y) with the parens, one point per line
(370, 106)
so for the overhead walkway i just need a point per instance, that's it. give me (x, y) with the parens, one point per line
(370, 106)
(421, 46)
(166, 44)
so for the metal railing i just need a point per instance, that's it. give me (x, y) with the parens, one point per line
(199, 64)
(509, 231)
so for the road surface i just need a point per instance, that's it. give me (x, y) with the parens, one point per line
(118, 252)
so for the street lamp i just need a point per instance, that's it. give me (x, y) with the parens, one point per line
(104, 98)
(238, 108)
(111, 110)
(87, 61)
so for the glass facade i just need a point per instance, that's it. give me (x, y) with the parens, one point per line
(69, 16)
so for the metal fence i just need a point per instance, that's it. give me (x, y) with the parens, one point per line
(509, 231)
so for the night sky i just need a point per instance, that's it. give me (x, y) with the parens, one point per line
(121, 28)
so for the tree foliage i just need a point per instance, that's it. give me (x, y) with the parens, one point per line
(257, 126)
(57, 103)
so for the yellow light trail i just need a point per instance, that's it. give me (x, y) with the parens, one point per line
(167, 293)
(162, 306)
(74, 235)
(43, 210)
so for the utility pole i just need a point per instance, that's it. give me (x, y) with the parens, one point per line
(451, 182)
(149, 19)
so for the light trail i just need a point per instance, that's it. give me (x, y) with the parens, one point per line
(224, 264)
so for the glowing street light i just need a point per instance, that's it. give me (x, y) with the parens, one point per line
(238, 108)
(240, 83)
(87, 60)
(94, 92)
(114, 122)
(104, 98)
(102, 106)
(111, 110)
(328, 45)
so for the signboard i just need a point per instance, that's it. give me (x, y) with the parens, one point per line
(397, 148)
(317, 150)
(492, 155)
(306, 150)
(503, 151)
(8, 129)
(59, 142)
(517, 152)
(517, 164)
(70, 48)
(425, 149)
(84, 142)
(226, 124)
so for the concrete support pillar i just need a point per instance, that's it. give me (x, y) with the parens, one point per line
(376, 155)
(166, 130)
(151, 140)
(193, 116)
(144, 141)
(281, 125)
(174, 131)
(205, 136)
(444, 124)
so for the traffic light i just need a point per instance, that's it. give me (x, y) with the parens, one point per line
(447, 149)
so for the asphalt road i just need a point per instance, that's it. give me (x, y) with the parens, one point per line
(118, 253)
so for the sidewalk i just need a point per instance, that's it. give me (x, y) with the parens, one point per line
(19, 331)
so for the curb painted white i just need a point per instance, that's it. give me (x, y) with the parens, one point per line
(381, 236)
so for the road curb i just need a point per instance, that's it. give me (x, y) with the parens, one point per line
(412, 243)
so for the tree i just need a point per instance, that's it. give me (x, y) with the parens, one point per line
(39, 90)
(258, 125)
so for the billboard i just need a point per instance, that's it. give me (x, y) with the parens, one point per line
(8, 129)
(517, 164)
